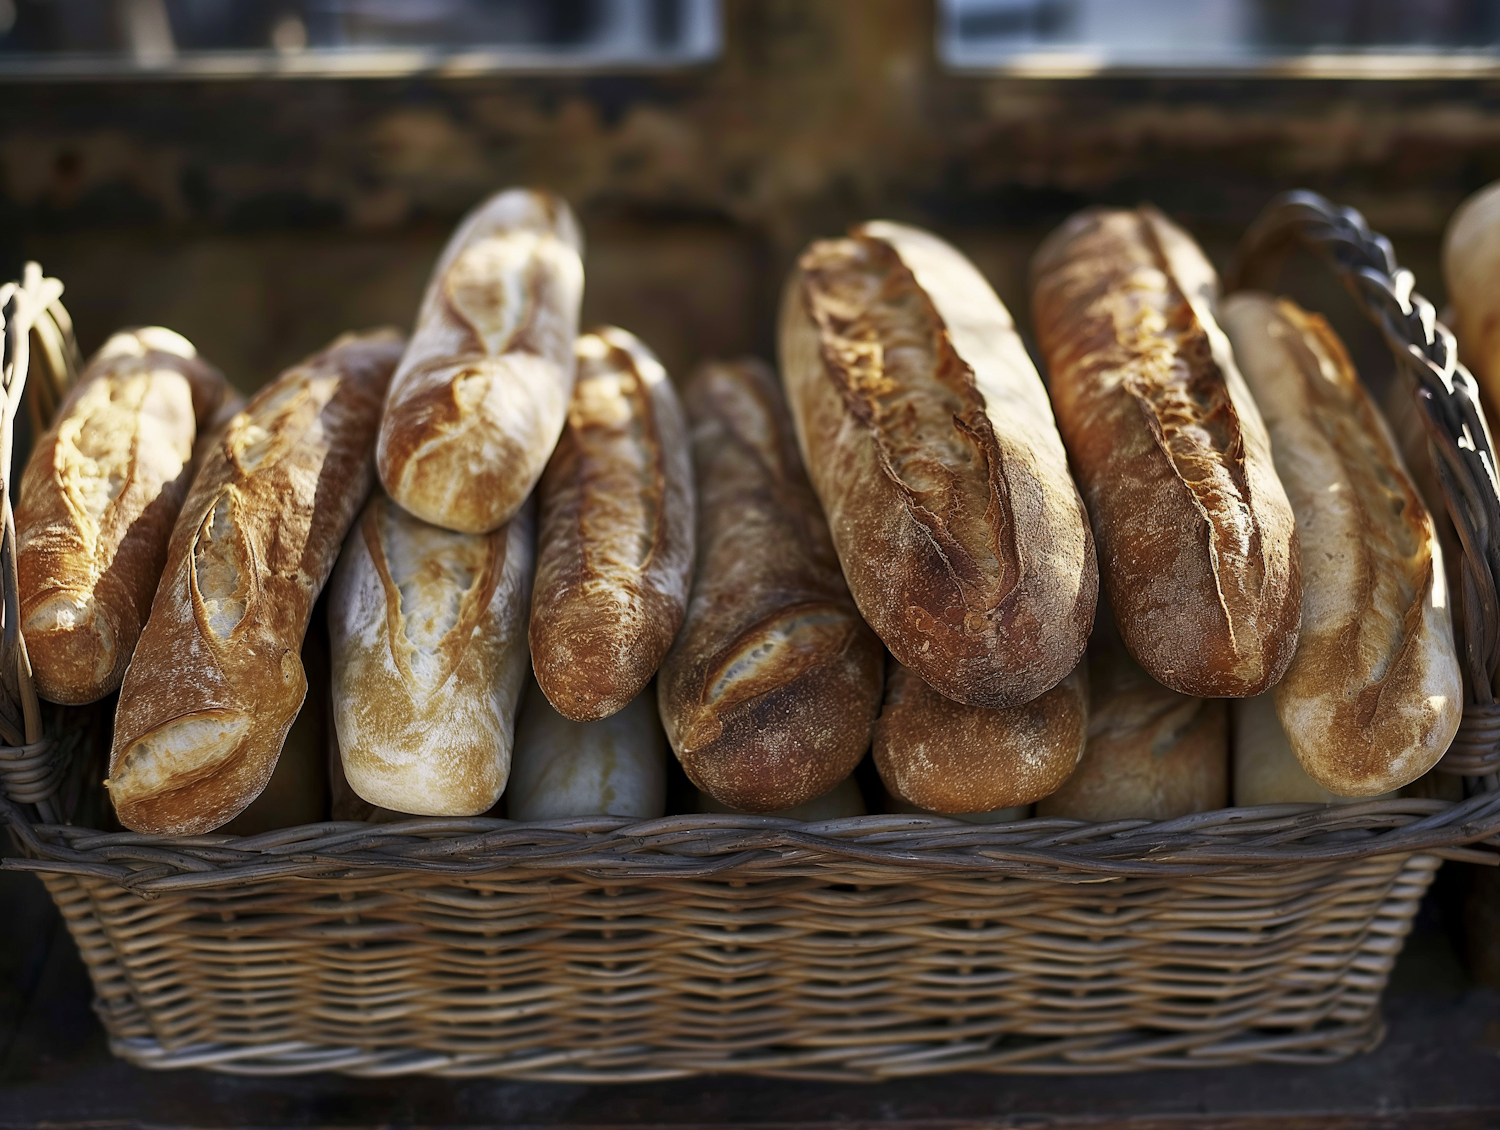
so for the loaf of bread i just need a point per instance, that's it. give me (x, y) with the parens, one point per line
(427, 631)
(1471, 269)
(98, 499)
(615, 766)
(929, 440)
(893, 803)
(771, 688)
(1197, 543)
(838, 803)
(482, 391)
(216, 680)
(1266, 771)
(615, 553)
(945, 757)
(1152, 754)
(1374, 694)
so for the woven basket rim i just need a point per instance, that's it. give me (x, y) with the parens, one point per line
(620, 849)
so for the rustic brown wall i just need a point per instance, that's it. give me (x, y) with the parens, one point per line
(262, 217)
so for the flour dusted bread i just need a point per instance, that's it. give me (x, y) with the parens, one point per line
(942, 756)
(1197, 542)
(1471, 269)
(615, 552)
(216, 679)
(482, 391)
(770, 690)
(98, 499)
(427, 631)
(1152, 753)
(1373, 697)
(929, 440)
(615, 766)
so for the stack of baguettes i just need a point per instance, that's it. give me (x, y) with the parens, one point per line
(885, 551)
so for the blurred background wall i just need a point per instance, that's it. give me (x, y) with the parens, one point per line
(261, 216)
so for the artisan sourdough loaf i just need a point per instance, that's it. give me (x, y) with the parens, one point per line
(930, 442)
(427, 631)
(98, 499)
(615, 554)
(216, 679)
(1197, 542)
(480, 397)
(771, 688)
(1374, 695)
(1471, 269)
(1152, 753)
(942, 756)
(615, 766)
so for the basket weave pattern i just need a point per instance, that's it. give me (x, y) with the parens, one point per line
(605, 950)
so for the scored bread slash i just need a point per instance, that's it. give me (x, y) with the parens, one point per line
(616, 518)
(1374, 693)
(771, 688)
(217, 678)
(1197, 542)
(427, 635)
(98, 499)
(931, 445)
(479, 399)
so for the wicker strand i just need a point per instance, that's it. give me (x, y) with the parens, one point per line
(1458, 435)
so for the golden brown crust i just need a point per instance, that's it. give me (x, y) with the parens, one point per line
(1374, 695)
(482, 391)
(98, 499)
(1152, 753)
(1197, 543)
(615, 555)
(216, 679)
(1471, 268)
(771, 688)
(932, 447)
(943, 756)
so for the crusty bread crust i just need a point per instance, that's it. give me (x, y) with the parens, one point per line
(482, 392)
(1197, 543)
(1471, 269)
(217, 677)
(1152, 753)
(1374, 694)
(427, 633)
(615, 555)
(945, 757)
(771, 688)
(930, 442)
(98, 499)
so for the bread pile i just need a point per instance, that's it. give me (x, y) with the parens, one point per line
(544, 568)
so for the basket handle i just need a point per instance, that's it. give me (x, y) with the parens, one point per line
(1458, 435)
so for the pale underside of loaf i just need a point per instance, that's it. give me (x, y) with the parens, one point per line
(943, 756)
(769, 692)
(482, 392)
(427, 633)
(1374, 694)
(1196, 538)
(931, 443)
(615, 554)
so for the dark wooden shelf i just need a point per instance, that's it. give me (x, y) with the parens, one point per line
(1439, 1067)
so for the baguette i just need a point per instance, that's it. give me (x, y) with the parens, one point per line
(1266, 771)
(838, 803)
(1152, 754)
(895, 804)
(1197, 542)
(1471, 269)
(482, 391)
(615, 556)
(771, 688)
(945, 757)
(1373, 696)
(216, 680)
(615, 766)
(929, 440)
(426, 629)
(98, 499)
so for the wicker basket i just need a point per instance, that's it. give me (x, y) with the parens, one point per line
(882, 946)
